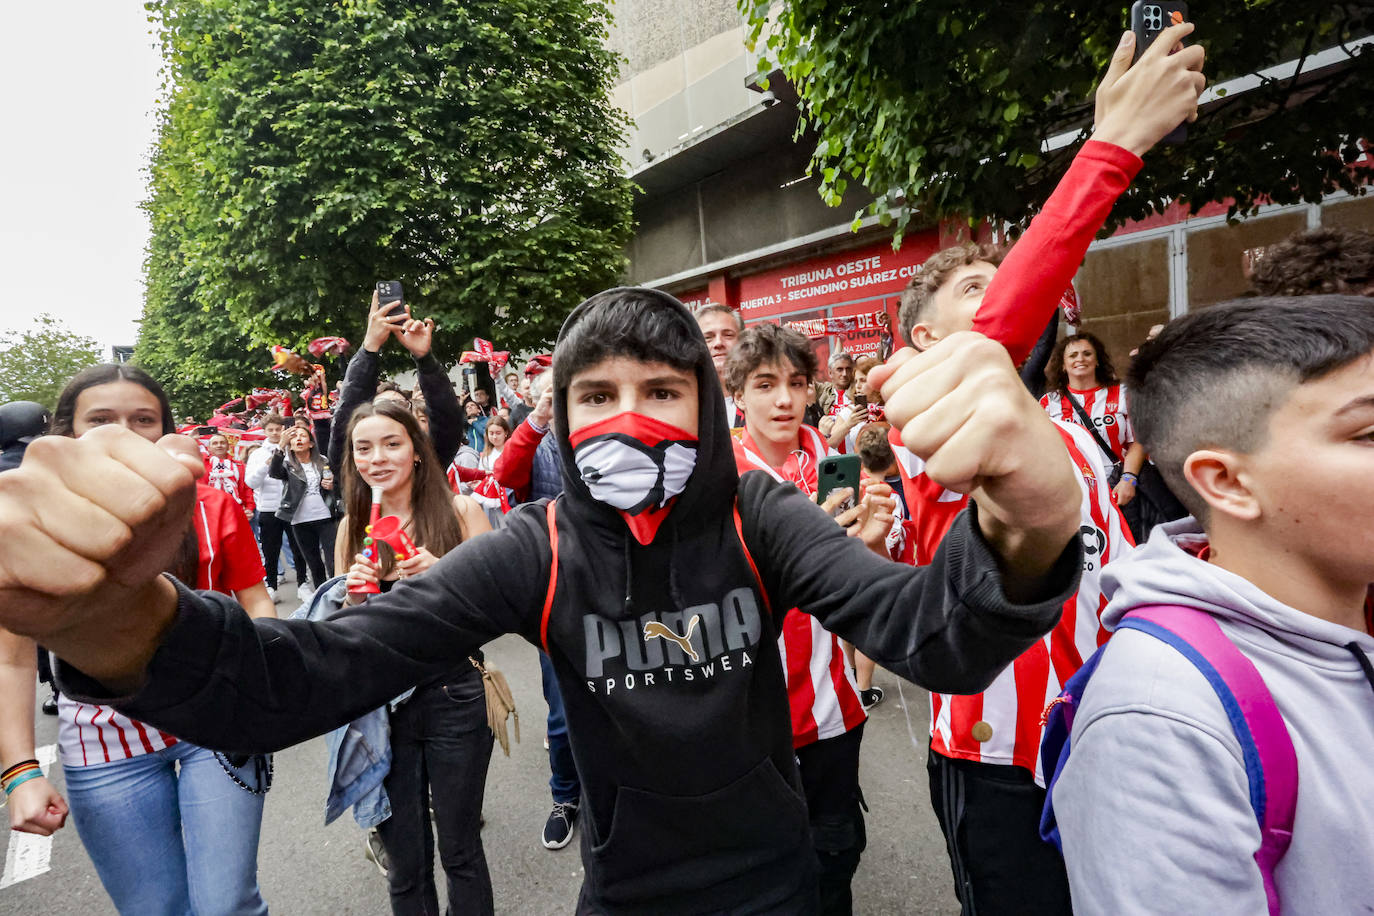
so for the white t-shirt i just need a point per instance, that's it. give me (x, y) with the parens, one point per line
(312, 507)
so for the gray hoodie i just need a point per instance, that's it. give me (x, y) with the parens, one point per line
(1153, 805)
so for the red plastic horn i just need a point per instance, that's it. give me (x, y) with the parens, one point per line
(388, 529)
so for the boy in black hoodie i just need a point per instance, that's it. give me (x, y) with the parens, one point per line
(667, 572)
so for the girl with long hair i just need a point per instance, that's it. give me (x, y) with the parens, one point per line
(498, 431)
(440, 742)
(307, 502)
(1083, 389)
(170, 827)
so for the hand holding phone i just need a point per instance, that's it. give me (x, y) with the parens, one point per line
(1149, 18)
(837, 472)
(1138, 104)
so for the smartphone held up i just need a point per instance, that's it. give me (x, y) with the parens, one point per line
(392, 296)
(1148, 19)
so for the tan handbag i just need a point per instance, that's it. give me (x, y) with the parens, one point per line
(500, 704)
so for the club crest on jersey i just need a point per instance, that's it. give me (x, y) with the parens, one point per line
(1089, 477)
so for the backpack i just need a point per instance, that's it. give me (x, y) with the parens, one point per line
(1271, 765)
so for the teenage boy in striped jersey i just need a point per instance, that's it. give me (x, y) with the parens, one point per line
(769, 372)
(985, 783)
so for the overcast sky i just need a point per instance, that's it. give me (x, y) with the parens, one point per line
(80, 84)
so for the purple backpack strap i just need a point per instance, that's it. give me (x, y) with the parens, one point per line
(1271, 765)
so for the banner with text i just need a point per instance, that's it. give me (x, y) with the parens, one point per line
(864, 273)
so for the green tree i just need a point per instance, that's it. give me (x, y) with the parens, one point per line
(941, 107)
(35, 364)
(201, 357)
(311, 148)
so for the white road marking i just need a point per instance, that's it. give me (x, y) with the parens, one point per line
(29, 855)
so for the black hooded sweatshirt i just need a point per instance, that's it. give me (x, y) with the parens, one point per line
(692, 797)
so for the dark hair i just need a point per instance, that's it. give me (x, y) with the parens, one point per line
(1057, 377)
(768, 343)
(435, 526)
(1318, 261)
(630, 322)
(276, 418)
(1213, 378)
(702, 311)
(920, 292)
(185, 564)
(875, 452)
(316, 458)
(64, 415)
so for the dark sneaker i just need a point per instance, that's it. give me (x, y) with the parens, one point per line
(50, 705)
(376, 852)
(871, 697)
(558, 829)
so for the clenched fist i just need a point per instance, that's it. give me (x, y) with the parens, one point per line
(962, 408)
(87, 526)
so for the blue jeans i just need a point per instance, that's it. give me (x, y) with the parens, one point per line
(169, 840)
(563, 781)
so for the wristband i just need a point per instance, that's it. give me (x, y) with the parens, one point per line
(19, 781)
(19, 773)
(10, 771)
(17, 768)
(1127, 475)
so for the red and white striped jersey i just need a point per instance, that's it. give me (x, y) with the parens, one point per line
(843, 399)
(88, 734)
(821, 692)
(1106, 406)
(228, 562)
(1001, 725)
(803, 464)
(227, 476)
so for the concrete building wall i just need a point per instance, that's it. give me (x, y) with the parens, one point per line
(683, 72)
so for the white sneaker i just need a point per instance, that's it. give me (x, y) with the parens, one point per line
(304, 594)
(272, 593)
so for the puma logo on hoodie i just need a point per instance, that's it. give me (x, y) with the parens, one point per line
(654, 628)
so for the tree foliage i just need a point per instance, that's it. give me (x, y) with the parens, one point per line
(312, 147)
(942, 107)
(36, 364)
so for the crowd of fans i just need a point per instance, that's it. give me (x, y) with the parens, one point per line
(708, 634)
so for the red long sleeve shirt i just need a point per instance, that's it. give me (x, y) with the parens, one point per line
(1002, 724)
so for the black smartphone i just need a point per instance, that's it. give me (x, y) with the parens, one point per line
(391, 291)
(860, 400)
(1148, 19)
(835, 473)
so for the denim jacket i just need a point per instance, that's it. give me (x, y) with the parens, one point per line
(359, 752)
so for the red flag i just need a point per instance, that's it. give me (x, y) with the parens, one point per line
(1071, 306)
(334, 346)
(484, 347)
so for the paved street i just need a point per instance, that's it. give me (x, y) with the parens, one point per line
(307, 868)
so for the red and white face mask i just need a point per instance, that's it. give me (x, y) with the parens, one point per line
(636, 465)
